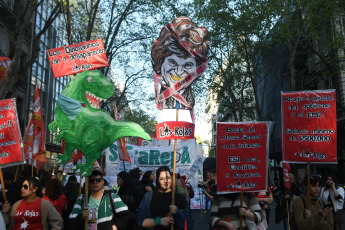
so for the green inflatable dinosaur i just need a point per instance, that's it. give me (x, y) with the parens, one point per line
(83, 125)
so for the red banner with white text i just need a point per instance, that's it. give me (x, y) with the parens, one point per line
(11, 151)
(309, 126)
(77, 58)
(169, 130)
(242, 155)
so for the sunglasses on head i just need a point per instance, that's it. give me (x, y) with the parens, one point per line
(25, 186)
(315, 177)
(97, 180)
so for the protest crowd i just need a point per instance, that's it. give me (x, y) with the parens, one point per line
(143, 200)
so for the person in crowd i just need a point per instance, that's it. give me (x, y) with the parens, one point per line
(71, 191)
(265, 199)
(13, 188)
(4, 218)
(317, 216)
(147, 180)
(156, 210)
(53, 193)
(33, 212)
(226, 211)
(282, 200)
(208, 185)
(334, 194)
(105, 208)
(181, 188)
(212, 192)
(127, 191)
(135, 181)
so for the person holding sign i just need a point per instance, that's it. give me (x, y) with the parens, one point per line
(33, 212)
(155, 210)
(335, 195)
(226, 211)
(318, 216)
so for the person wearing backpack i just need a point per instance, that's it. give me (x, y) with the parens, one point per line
(335, 195)
(105, 208)
(317, 217)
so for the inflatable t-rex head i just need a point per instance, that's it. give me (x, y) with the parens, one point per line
(83, 125)
(178, 58)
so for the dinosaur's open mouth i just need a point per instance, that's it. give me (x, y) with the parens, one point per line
(93, 100)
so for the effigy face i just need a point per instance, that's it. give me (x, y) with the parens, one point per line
(175, 68)
(178, 58)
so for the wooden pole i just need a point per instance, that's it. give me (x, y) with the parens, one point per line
(287, 209)
(3, 185)
(174, 170)
(81, 178)
(241, 217)
(86, 198)
(63, 169)
(124, 166)
(308, 187)
(101, 161)
(200, 203)
(32, 167)
(15, 176)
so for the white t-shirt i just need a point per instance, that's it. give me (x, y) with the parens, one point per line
(337, 203)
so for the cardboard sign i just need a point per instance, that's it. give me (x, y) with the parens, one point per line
(175, 130)
(11, 151)
(309, 126)
(242, 154)
(77, 58)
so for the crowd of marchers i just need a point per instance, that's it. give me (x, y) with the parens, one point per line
(145, 201)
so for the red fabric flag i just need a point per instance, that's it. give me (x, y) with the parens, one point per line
(121, 143)
(39, 147)
(286, 170)
(28, 139)
(76, 154)
(5, 64)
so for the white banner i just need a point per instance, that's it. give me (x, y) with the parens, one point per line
(152, 157)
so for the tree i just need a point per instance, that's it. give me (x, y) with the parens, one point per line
(237, 32)
(26, 11)
(127, 28)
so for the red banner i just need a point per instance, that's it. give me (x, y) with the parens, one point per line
(242, 153)
(11, 152)
(39, 138)
(77, 58)
(175, 130)
(5, 64)
(309, 129)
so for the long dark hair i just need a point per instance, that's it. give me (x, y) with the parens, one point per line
(126, 182)
(334, 178)
(158, 172)
(34, 183)
(53, 189)
(146, 178)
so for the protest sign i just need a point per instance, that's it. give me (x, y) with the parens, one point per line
(11, 151)
(175, 130)
(242, 154)
(309, 126)
(77, 58)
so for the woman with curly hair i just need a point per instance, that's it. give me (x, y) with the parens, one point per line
(53, 193)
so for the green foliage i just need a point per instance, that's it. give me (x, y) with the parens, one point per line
(143, 119)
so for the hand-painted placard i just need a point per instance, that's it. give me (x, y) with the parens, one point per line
(242, 153)
(175, 130)
(309, 129)
(11, 151)
(77, 58)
